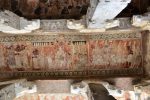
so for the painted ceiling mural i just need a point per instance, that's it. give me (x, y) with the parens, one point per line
(71, 56)
(51, 97)
(47, 9)
(70, 52)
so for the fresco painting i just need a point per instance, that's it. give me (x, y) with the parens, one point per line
(51, 97)
(74, 55)
(115, 54)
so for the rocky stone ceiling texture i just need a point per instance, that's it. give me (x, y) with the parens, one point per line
(47, 9)
(58, 9)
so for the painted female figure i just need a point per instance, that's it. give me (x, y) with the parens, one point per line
(10, 56)
(49, 54)
(2, 57)
(35, 56)
(21, 56)
(60, 58)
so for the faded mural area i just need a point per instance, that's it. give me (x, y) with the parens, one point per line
(63, 54)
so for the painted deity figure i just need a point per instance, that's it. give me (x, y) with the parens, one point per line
(28, 55)
(80, 58)
(2, 58)
(83, 56)
(60, 58)
(18, 57)
(48, 50)
(137, 53)
(24, 54)
(41, 58)
(97, 58)
(50, 62)
(130, 54)
(106, 54)
(98, 50)
(35, 54)
(21, 56)
(124, 53)
(10, 57)
(68, 49)
(119, 53)
(113, 53)
(38, 58)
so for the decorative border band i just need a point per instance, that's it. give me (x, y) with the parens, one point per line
(47, 38)
(74, 74)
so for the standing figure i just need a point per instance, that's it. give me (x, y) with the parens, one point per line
(119, 53)
(83, 58)
(69, 52)
(10, 57)
(130, 54)
(49, 61)
(41, 58)
(24, 55)
(137, 57)
(95, 56)
(2, 57)
(125, 54)
(21, 56)
(60, 58)
(113, 56)
(105, 54)
(35, 59)
(28, 54)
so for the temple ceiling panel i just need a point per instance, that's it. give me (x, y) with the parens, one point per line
(52, 97)
(47, 9)
(101, 55)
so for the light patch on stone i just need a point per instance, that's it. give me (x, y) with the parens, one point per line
(75, 25)
(92, 30)
(141, 21)
(18, 24)
(107, 10)
(111, 24)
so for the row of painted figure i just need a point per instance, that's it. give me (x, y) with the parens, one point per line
(76, 55)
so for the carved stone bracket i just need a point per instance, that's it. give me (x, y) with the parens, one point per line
(54, 25)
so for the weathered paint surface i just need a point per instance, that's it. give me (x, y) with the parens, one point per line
(99, 54)
(52, 97)
(70, 52)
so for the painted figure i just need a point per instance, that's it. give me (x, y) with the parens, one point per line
(21, 56)
(35, 58)
(10, 56)
(49, 54)
(60, 58)
(2, 57)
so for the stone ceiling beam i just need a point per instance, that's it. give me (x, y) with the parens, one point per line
(12, 23)
(106, 10)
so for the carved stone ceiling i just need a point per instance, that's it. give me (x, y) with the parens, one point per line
(91, 14)
(47, 9)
